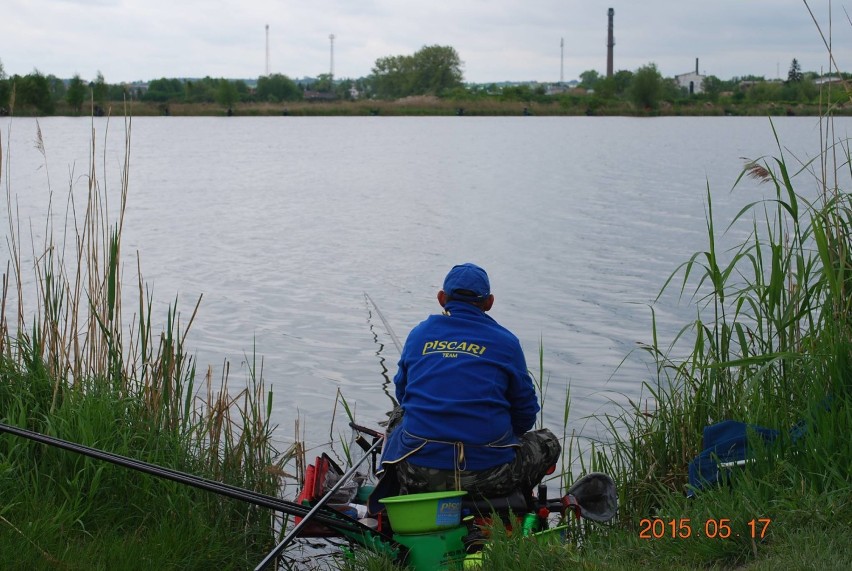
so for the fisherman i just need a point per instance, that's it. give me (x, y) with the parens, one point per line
(467, 402)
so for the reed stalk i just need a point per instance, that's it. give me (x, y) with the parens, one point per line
(75, 365)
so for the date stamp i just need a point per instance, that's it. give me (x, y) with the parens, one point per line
(711, 528)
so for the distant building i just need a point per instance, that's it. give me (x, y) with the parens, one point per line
(829, 79)
(692, 81)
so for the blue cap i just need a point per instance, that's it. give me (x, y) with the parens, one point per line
(467, 282)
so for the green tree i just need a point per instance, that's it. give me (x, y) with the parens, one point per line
(118, 92)
(436, 70)
(99, 89)
(276, 88)
(647, 87)
(324, 83)
(227, 94)
(164, 90)
(391, 76)
(795, 73)
(200, 91)
(5, 90)
(76, 94)
(589, 79)
(622, 79)
(712, 86)
(33, 90)
(432, 70)
(57, 88)
(764, 92)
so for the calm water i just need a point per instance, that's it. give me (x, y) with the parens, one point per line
(283, 224)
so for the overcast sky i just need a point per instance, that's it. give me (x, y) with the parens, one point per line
(497, 40)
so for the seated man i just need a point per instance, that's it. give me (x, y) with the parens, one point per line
(467, 401)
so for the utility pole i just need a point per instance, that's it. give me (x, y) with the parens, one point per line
(562, 61)
(267, 50)
(331, 73)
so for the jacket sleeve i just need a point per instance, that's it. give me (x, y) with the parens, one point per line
(399, 381)
(522, 398)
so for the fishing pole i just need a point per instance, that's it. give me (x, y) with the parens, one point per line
(330, 517)
(389, 329)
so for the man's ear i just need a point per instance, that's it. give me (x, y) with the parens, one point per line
(489, 301)
(442, 298)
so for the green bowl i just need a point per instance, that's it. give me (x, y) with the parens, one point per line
(422, 513)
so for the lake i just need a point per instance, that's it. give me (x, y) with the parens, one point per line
(283, 224)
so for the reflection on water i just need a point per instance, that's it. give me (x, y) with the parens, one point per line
(387, 384)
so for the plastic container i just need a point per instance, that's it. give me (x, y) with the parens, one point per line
(435, 551)
(363, 494)
(424, 513)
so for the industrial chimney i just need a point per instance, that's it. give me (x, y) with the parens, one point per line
(610, 43)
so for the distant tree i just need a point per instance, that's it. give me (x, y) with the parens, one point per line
(76, 94)
(227, 94)
(436, 70)
(99, 89)
(57, 88)
(119, 92)
(5, 89)
(324, 83)
(276, 88)
(712, 86)
(647, 87)
(164, 90)
(432, 70)
(795, 74)
(33, 90)
(765, 92)
(799, 91)
(391, 76)
(524, 93)
(622, 80)
(242, 89)
(589, 78)
(5, 94)
(201, 91)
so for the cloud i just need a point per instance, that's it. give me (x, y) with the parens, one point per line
(497, 40)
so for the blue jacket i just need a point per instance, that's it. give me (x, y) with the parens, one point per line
(463, 384)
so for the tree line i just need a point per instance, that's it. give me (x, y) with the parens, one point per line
(432, 70)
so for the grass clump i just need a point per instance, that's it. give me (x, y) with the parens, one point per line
(71, 367)
(771, 346)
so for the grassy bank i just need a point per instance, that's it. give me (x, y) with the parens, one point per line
(567, 106)
(76, 364)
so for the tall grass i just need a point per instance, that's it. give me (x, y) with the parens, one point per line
(771, 345)
(75, 364)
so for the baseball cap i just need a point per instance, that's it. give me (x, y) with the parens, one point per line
(467, 282)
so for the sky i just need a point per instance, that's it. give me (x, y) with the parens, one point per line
(497, 40)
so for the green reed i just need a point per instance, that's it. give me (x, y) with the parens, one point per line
(75, 365)
(770, 343)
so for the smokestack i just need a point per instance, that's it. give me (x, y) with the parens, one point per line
(610, 42)
(696, 66)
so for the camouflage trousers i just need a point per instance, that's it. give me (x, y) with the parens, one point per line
(538, 451)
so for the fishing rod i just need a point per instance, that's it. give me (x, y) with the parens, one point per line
(329, 517)
(385, 322)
